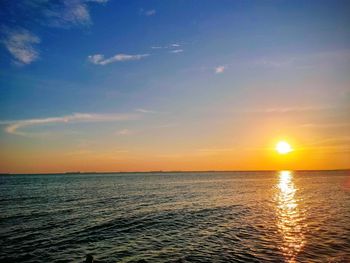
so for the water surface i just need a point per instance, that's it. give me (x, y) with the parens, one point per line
(164, 217)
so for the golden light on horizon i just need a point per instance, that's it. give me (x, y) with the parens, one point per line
(283, 147)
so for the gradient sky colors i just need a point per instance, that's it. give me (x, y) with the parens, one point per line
(100, 85)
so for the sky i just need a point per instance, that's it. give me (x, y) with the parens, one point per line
(120, 85)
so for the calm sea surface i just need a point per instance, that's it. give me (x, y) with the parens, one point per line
(176, 217)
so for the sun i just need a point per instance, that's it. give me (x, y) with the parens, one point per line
(283, 147)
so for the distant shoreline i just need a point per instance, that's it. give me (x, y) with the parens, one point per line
(168, 172)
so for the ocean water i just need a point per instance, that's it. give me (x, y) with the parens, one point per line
(281, 216)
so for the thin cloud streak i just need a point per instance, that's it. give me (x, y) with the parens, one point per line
(340, 141)
(303, 61)
(290, 109)
(215, 150)
(99, 59)
(15, 127)
(176, 51)
(174, 46)
(325, 125)
(124, 132)
(145, 111)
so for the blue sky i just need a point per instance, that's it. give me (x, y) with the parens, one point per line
(177, 73)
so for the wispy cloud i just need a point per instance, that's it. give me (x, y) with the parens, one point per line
(302, 61)
(295, 109)
(176, 51)
(196, 153)
(275, 63)
(150, 12)
(213, 151)
(16, 126)
(174, 46)
(96, 154)
(145, 111)
(99, 59)
(326, 125)
(21, 44)
(124, 132)
(20, 41)
(220, 69)
(68, 13)
(339, 141)
(331, 145)
(292, 109)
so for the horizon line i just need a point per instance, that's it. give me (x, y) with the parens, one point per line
(172, 171)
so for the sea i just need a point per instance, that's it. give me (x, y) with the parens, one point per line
(271, 216)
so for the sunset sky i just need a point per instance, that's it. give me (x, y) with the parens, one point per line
(122, 85)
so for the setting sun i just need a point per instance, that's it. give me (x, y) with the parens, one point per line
(283, 147)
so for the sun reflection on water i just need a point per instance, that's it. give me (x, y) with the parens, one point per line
(289, 217)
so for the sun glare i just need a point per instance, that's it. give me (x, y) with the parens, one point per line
(283, 147)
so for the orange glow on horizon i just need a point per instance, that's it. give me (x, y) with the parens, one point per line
(259, 153)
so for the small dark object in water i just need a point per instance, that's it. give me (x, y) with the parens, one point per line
(89, 258)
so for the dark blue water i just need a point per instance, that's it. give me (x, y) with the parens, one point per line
(183, 217)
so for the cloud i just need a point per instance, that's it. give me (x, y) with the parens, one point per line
(275, 63)
(219, 69)
(99, 59)
(326, 125)
(291, 110)
(123, 132)
(96, 59)
(176, 51)
(330, 145)
(302, 61)
(68, 13)
(145, 111)
(174, 46)
(20, 43)
(15, 127)
(295, 109)
(215, 150)
(333, 141)
(150, 12)
(95, 154)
